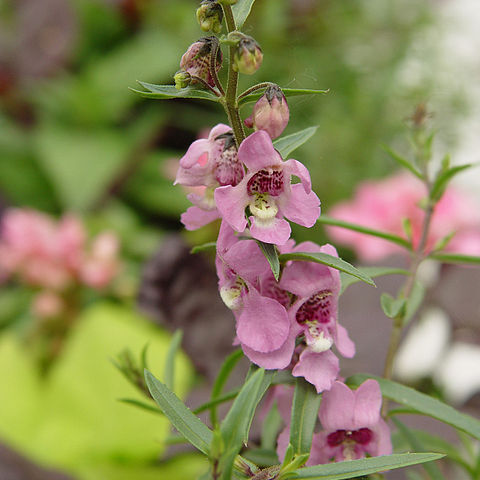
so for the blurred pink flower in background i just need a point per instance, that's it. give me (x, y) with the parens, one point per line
(384, 204)
(55, 255)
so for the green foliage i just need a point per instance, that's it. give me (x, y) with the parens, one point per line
(330, 261)
(288, 92)
(271, 254)
(392, 307)
(288, 143)
(166, 92)
(372, 272)
(241, 10)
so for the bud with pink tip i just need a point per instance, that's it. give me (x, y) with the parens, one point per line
(196, 60)
(270, 113)
(248, 56)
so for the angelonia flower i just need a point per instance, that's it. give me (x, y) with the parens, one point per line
(384, 204)
(196, 60)
(268, 193)
(248, 56)
(209, 163)
(270, 113)
(352, 425)
(210, 16)
(54, 256)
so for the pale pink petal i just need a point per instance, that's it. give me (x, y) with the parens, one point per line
(368, 401)
(195, 217)
(343, 342)
(282, 442)
(277, 359)
(231, 202)
(277, 231)
(320, 369)
(217, 130)
(383, 441)
(257, 152)
(263, 323)
(337, 408)
(294, 167)
(300, 207)
(194, 152)
(320, 452)
(247, 260)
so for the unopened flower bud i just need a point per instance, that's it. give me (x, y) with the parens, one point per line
(182, 79)
(210, 16)
(196, 60)
(248, 56)
(270, 113)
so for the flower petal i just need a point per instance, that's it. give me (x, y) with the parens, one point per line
(263, 323)
(257, 152)
(320, 369)
(368, 401)
(343, 342)
(294, 167)
(247, 260)
(195, 217)
(231, 202)
(337, 408)
(300, 207)
(277, 231)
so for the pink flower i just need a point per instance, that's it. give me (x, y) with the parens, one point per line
(382, 205)
(209, 163)
(352, 425)
(268, 193)
(262, 323)
(270, 113)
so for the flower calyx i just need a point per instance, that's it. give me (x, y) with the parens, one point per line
(210, 16)
(248, 55)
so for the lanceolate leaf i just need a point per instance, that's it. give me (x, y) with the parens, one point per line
(362, 229)
(306, 403)
(286, 145)
(372, 272)
(443, 178)
(169, 374)
(423, 404)
(404, 162)
(288, 92)
(241, 10)
(271, 254)
(166, 92)
(187, 424)
(329, 260)
(366, 466)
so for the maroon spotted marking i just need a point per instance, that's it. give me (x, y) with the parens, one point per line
(266, 181)
(316, 308)
(271, 289)
(361, 436)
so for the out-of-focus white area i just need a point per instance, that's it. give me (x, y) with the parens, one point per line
(427, 352)
(459, 372)
(420, 353)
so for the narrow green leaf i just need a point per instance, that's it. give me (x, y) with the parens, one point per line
(391, 306)
(236, 424)
(217, 401)
(329, 260)
(140, 404)
(167, 92)
(366, 466)
(362, 229)
(442, 179)
(271, 427)
(241, 10)
(222, 377)
(415, 443)
(288, 92)
(271, 254)
(169, 373)
(187, 424)
(403, 162)
(455, 258)
(262, 457)
(306, 402)
(372, 272)
(414, 301)
(204, 247)
(423, 404)
(286, 145)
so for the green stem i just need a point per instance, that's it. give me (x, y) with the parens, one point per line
(230, 103)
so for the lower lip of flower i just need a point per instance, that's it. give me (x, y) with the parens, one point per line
(263, 208)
